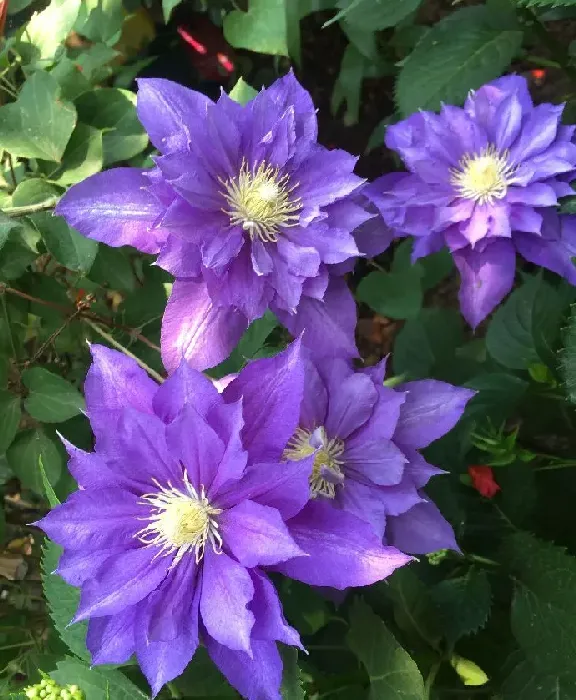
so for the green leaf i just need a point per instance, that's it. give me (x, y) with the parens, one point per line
(393, 294)
(25, 453)
(348, 85)
(264, 28)
(52, 399)
(168, 7)
(83, 157)
(568, 356)
(393, 674)
(427, 341)
(71, 78)
(543, 617)
(40, 123)
(48, 30)
(111, 268)
(464, 604)
(374, 15)
(202, 679)
(97, 683)
(101, 20)
(51, 496)
(71, 249)
(525, 327)
(291, 679)
(114, 111)
(6, 226)
(460, 53)
(525, 683)
(242, 92)
(255, 336)
(10, 415)
(498, 395)
(62, 602)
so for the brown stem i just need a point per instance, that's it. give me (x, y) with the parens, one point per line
(82, 314)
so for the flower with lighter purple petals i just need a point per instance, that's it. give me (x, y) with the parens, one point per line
(365, 439)
(182, 504)
(245, 209)
(483, 180)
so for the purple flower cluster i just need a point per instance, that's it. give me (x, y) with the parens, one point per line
(299, 465)
(484, 180)
(245, 209)
(192, 495)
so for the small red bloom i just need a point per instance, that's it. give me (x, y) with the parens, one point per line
(483, 480)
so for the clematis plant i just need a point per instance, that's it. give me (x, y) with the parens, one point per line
(484, 180)
(365, 439)
(184, 505)
(245, 209)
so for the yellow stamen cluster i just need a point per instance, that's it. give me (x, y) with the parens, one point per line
(327, 462)
(260, 200)
(183, 520)
(484, 176)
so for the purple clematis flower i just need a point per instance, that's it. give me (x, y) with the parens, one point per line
(481, 180)
(365, 439)
(182, 506)
(245, 209)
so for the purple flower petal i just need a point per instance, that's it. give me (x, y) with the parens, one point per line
(78, 566)
(344, 551)
(95, 518)
(284, 487)
(196, 445)
(364, 502)
(115, 207)
(161, 107)
(257, 677)
(123, 582)
(227, 590)
(553, 253)
(195, 330)
(350, 405)
(110, 640)
(378, 461)
(421, 530)
(256, 535)
(327, 326)
(431, 409)
(270, 623)
(271, 391)
(486, 278)
(185, 386)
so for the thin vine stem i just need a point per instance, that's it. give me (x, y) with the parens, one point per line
(110, 339)
(45, 205)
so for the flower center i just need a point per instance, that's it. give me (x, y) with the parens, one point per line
(326, 472)
(183, 520)
(260, 200)
(484, 176)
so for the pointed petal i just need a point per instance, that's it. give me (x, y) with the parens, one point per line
(197, 331)
(184, 386)
(350, 405)
(165, 109)
(344, 551)
(271, 391)
(110, 640)
(115, 207)
(486, 278)
(431, 409)
(257, 677)
(124, 581)
(269, 619)
(256, 535)
(227, 590)
(421, 530)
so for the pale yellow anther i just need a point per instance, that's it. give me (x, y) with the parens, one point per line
(260, 199)
(326, 460)
(483, 177)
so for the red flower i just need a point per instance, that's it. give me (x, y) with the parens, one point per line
(483, 480)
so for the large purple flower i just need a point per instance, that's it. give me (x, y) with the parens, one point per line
(480, 181)
(182, 504)
(245, 209)
(365, 439)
